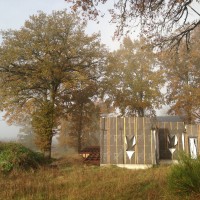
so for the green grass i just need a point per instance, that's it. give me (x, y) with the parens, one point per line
(15, 156)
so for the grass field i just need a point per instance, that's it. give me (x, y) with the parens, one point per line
(76, 181)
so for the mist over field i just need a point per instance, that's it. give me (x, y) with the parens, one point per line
(7, 132)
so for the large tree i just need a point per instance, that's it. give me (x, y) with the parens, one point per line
(133, 79)
(182, 71)
(157, 18)
(41, 65)
(82, 118)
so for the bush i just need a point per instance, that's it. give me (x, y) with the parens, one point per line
(16, 156)
(184, 177)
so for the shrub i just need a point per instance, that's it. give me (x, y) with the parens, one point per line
(16, 156)
(184, 177)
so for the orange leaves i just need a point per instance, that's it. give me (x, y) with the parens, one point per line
(182, 74)
(136, 77)
(44, 63)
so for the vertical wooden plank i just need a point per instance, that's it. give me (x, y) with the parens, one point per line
(135, 139)
(165, 133)
(151, 148)
(134, 131)
(116, 132)
(185, 137)
(136, 125)
(103, 143)
(186, 140)
(108, 140)
(129, 131)
(178, 135)
(124, 140)
(143, 127)
(121, 140)
(101, 140)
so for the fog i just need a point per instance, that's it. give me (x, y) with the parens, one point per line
(7, 132)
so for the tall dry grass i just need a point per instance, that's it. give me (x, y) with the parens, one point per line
(78, 182)
(84, 183)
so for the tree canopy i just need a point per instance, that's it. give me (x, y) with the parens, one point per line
(82, 117)
(133, 79)
(182, 72)
(158, 19)
(42, 64)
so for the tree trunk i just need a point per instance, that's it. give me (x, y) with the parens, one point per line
(47, 150)
(80, 128)
(141, 112)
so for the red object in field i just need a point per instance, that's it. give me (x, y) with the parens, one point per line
(91, 155)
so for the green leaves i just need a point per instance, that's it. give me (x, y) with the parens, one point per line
(184, 177)
(15, 156)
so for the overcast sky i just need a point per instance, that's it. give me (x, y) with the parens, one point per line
(13, 14)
